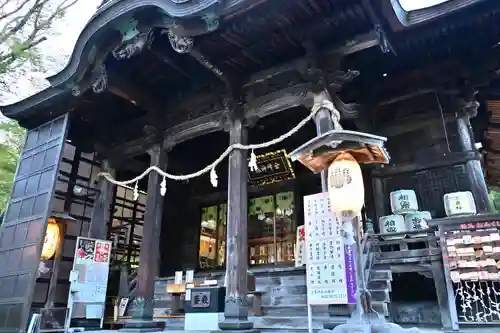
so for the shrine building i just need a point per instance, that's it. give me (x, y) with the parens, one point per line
(174, 83)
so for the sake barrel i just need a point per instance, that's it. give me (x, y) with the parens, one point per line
(417, 221)
(403, 201)
(390, 224)
(459, 203)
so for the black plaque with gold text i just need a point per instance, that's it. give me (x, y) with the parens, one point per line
(273, 167)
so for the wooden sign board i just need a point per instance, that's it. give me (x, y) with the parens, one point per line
(273, 167)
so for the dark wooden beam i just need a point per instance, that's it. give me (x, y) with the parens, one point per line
(415, 123)
(169, 61)
(356, 44)
(258, 108)
(100, 213)
(449, 160)
(122, 87)
(382, 37)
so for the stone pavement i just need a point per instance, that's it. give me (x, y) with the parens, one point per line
(422, 330)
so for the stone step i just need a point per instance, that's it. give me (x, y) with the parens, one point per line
(379, 295)
(380, 275)
(267, 299)
(381, 308)
(282, 290)
(379, 285)
(293, 310)
(289, 324)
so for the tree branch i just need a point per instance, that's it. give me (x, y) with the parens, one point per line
(23, 29)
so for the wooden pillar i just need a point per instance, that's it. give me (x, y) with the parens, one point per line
(142, 313)
(444, 287)
(324, 124)
(379, 196)
(465, 111)
(236, 305)
(102, 204)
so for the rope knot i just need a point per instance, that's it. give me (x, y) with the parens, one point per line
(326, 104)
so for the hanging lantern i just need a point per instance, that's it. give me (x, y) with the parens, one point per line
(51, 240)
(345, 184)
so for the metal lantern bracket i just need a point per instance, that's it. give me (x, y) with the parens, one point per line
(318, 153)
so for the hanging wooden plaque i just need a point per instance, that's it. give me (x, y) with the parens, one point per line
(273, 167)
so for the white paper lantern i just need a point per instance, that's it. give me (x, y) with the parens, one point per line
(345, 185)
(403, 201)
(417, 221)
(459, 203)
(391, 224)
(51, 240)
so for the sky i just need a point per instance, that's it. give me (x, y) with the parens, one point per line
(56, 49)
(418, 4)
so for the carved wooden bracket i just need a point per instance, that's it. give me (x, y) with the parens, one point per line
(466, 108)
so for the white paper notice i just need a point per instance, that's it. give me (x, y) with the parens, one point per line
(178, 277)
(325, 253)
(73, 276)
(94, 311)
(190, 276)
(188, 295)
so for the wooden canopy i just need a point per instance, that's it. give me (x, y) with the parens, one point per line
(143, 67)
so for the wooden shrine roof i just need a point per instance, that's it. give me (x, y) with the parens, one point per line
(244, 37)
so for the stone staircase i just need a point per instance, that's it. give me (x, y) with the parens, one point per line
(379, 286)
(404, 252)
(377, 281)
(283, 297)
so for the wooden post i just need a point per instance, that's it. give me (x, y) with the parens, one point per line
(444, 287)
(123, 286)
(324, 124)
(465, 111)
(142, 306)
(378, 200)
(236, 305)
(102, 204)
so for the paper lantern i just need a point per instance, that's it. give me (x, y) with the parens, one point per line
(51, 240)
(345, 185)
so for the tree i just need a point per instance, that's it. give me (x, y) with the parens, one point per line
(24, 24)
(10, 149)
(495, 199)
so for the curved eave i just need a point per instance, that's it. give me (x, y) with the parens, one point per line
(26, 107)
(404, 19)
(84, 52)
(116, 9)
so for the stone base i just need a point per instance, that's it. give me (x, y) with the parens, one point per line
(370, 328)
(252, 330)
(236, 325)
(143, 326)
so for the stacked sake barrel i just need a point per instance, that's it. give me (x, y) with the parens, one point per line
(405, 218)
(459, 204)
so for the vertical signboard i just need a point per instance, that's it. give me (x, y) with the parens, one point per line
(330, 266)
(25, 221)
(89, 280)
